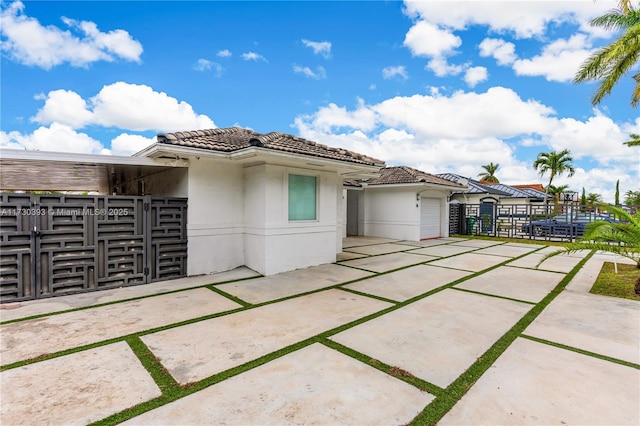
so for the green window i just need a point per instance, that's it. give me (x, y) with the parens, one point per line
(302, 197)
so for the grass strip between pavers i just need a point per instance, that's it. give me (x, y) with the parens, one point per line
(385, 368)
(582, 351)
(174, 394)
(152, 364)
(115, 302)
(497, 296)
(441, 405)
(231, 297)
(372, 296)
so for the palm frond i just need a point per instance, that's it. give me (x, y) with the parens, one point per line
(621, 238)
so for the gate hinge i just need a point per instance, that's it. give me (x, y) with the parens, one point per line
(146, 270)
(146, 207)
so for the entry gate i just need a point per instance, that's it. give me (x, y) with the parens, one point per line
(53, 245)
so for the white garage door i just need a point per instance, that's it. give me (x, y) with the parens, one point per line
(430, 218)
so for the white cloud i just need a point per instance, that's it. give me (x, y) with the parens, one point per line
(502, 51)
(26, 41)
(207, 65)
(333, 117)
(499, 112)
(475, 75)
(433, 32)
(139, 107)
(57, 137)
(64, 107)
(442, 68)
(397, 71)
(319, 47)
(224, 53)
(462, 131)
(525, 19)
(122, 105)
(126, 144)
(558, 61)
(319, 74)
(203, 65)
(586, 138)
(253, 56)
(427, 39)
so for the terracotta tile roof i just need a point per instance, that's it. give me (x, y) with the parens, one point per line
(404, 174)
(235, 139)
(536, 186)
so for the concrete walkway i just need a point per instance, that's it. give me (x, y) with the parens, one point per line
(387, 335)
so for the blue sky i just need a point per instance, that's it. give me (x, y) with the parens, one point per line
(440, 86)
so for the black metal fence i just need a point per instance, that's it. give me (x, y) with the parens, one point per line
(53, 245)
(564, 222)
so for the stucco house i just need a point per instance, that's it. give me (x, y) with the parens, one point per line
(272, 202)
(402, 203)
(192, 203)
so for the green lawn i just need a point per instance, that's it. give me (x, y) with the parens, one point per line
(621, 284)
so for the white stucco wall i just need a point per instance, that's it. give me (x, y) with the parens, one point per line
(169, 183)
(274, 244)
(391, 212)
(394, 211)
(215, 217)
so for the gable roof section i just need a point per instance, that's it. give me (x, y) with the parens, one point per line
(404, 175)
(234, 139)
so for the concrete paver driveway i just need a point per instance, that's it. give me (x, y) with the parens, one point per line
(449, 331)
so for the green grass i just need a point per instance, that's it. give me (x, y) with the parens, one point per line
(621, 284)
(512, 240)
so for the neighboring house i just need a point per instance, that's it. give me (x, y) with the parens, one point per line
(496, 193)
(272, 202)
(402, 203)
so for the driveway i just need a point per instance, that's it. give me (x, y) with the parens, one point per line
(453, 331)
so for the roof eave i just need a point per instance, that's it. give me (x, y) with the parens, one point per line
(251, 154)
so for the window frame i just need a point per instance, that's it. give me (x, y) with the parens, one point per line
(316, 193)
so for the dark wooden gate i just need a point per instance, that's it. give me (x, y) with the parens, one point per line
(53, 245)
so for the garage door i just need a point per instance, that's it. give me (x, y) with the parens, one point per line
(430, 218)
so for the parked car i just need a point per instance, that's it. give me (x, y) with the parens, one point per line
(564, 224)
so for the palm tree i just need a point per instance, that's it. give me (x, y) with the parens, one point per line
(556, 163)
(489, 175)
(621, 238)
(632, 198)
(635, 140)
(609, 63)
(557, 191)
(593, 200)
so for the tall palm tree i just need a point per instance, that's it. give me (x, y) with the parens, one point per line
(593, 200)
(635, 140)
(609, 63)
(556, 164)
(632, 198)
(557, 191)
(489, 175)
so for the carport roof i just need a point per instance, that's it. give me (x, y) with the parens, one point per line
(61, 171)
(235, 139)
